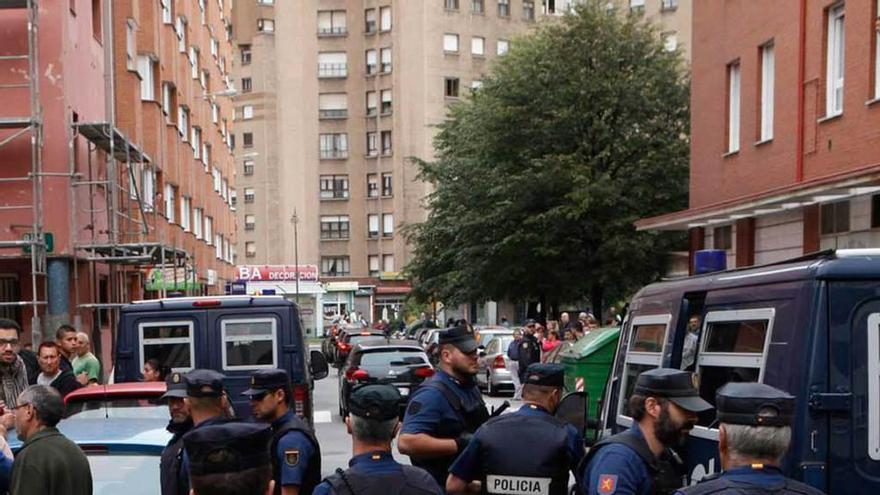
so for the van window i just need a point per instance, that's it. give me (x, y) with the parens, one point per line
(874, 386)
(249, 344)
(170, 342)
(645, 352)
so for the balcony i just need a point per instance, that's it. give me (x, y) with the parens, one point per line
(332, 31)
(332, 71)
(334, 154)
(333, 113)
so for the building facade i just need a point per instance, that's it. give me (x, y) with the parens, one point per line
(785, 129)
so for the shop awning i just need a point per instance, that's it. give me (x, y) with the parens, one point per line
(286, 288)
(393, 290)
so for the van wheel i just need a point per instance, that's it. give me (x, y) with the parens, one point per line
(490, 390)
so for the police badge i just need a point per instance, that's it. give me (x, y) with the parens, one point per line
(291, 457)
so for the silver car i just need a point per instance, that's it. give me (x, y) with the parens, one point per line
(493, 374)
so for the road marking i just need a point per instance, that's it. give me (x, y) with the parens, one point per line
(323, 417)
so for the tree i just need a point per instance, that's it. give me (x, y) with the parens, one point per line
(578, 131)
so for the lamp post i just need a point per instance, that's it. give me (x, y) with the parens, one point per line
(295, 221)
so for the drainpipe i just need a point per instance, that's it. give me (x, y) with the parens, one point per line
(802, 56)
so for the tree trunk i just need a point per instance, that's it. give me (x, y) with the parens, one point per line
(596, 294)
(542, 315)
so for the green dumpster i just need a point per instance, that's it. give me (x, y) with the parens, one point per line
(588, 363)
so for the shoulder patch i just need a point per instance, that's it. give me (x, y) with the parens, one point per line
(607, 484)
(414, 407)
(291, 457)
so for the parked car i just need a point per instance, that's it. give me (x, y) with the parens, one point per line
(493, 374)
(346, 340)
(401, 363)
(418, 325)
(487, 333)
(118, 400)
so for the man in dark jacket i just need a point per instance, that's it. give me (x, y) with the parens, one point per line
(529, 350)
(171, 476)
(51, 373)
(48, 463)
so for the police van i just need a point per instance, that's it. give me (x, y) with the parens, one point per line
(809, 326)
(235, 335)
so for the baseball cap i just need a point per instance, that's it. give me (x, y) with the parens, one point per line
(460, 337)
(378, 402)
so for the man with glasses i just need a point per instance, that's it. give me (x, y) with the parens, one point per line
(296, 455)
(447, 409)
(13, 373)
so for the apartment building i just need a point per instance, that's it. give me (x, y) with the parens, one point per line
(672, 19)
(337, 97)
(785, 129)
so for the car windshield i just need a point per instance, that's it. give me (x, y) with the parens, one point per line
(129, 474)
(393, 357)
(128, 408)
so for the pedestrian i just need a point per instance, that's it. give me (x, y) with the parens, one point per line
(529, 447)
(85, 361)
(640, 461)
(172, 478)
(66, 339)
(445, 411)
(504, 322)
(529, 349)
(230, 459)
(51, 373)
(48, 463)
(208, 405)
(551, 342)
(296, 455)
(691, 339)
(13, 373)
(564, 322)
(154, 371)
(7, 422)
(373, 423)
(513, 363)
(753, 435)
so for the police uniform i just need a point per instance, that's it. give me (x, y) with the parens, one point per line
(296, 455)
(527, 452)
(740, 404)
(377, 473)
(226, 448)
(444, 407)
(172, 479)
(623, 463)
(201, 383)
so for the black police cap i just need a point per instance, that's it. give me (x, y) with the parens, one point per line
(227, 447)
(460, 337)
(378, 402)
(263, 381)
(204, 383)
(545, 374)
(175, 386)
(743, 403)
(676, 385)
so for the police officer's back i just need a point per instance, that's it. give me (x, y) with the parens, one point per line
(753, 435)
(641, 460)
(230, 458)
(206, 401)
(296, 456)
(172, 479)
(529, 451)
(445, 410)
(373, 423)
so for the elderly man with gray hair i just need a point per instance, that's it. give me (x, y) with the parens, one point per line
(86, 366)
(753, 435)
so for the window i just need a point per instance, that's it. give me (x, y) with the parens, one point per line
(331, 23)
(451, 87)
(478, 46)
(371, 103)
(476, 84)
(386, 184)
(180, 28)
(250, 222)
(245, 54)
(636, 5)
(670, 41)
(834, 60)
(332, 64)
(247, 112)
(215, 113)
(183, 122)
(875, 211)
(733, 92)
(332, 105)
(198, 222)
(768, 69)
(130, 45)
(196, 142)
(386, 143)
(451, 4)
(335, 266)
(334, 186)
(877, 51)
(477, 6)
(185, 213)
(246, 85)
(170, 206)
(834, 218)
(386, 102)
(250, 249)
(388, 263)
(386, 60)
(372, 186)
(169, 342)
(503, 47)
(249, 195)
(668, 4)
(167, 14)
(266, 25)
(528, 8)
(206, 155)
(372, 225)
(146, 70)
(168, 101)
(209, 229)
(722, 237)
(647, 336)
(334, 227)
(202, 12)
(370, 20)
(450, 43)
(387, 225)
(148, 182)
(247, 139)
(372, 144)
(385, 18)
(233, 199)
(373, 264)
(266, 2)
(194, 62)
(334, 146)
(503, 8)
(249, 344)
(97, 18)
(370, 57)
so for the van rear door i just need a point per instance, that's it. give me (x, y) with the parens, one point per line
(170, 337)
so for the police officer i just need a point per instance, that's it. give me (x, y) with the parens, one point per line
(172, 478)
(373, 423)
(529, 451)
(207, 404)
(641, 460)
(296, 456)
(446, 409)
(230, 458)
(754, 434)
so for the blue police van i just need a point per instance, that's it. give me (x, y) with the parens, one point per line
(809, 326)
(235, 335)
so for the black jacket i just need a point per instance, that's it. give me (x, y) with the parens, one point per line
(65, 383)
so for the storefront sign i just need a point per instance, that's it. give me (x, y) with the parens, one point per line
(341, 286)
(171, 279)
(268, 273)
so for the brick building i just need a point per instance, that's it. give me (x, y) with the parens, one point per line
(785, 124)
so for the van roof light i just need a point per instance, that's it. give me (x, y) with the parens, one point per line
(207, 303)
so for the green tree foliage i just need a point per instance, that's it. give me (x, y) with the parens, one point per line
(578, 131)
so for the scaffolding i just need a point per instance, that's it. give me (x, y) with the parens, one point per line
(16, 128)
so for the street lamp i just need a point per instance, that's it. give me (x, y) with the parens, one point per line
(295, 221)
